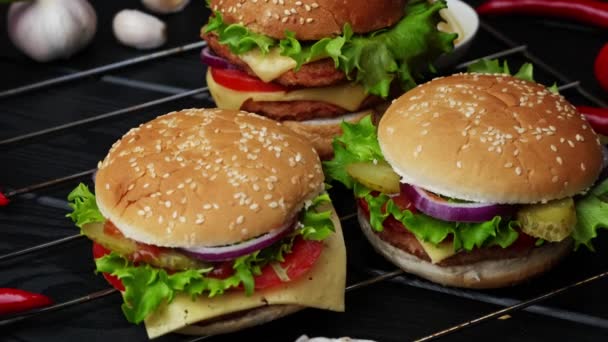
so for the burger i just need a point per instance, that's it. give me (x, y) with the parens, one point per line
(315, 63)
(210, 221)
(475, 180)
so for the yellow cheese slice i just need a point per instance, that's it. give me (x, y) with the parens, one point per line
(348, 96)
(269, 66)
(322, 288)
(438, 253)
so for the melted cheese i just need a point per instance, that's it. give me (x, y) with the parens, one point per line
(438, 253)
(322, 288)
(349, 96)
(270, 66)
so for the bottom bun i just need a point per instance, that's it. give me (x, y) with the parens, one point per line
(239, 321)
(483, 274)
(321, 132)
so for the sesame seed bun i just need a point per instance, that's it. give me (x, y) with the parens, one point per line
(490, 138)
(206, 177)
(241, 320)
(483, 274)
(310, 20)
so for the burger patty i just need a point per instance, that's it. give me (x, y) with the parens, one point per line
(407, 242)
(303, 110)
(320, 73)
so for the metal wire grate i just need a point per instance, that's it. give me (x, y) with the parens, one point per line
(377, 276)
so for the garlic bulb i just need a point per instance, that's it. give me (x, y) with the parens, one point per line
(139, 30)
(165, 6)
(49, 29)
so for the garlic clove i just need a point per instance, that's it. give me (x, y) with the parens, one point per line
(46, 30)
(139, 30)
(165, 6)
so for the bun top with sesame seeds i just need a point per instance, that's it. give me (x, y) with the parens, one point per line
(310, 19)
(491, 139)
(206, 177)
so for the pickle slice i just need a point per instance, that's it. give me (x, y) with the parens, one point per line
(553, 221)
(379, 176)
(165, 258)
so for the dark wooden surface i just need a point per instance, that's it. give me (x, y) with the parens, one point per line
(389, 311)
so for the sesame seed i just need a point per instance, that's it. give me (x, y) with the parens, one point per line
(553, 148)
(583, 167)
(107, 186)
(273, 204)
(182, 219)
(518, 171)
(459, 164)
(240, 219)
(141, 212)
(555, 179)
(508, 165)
(168, 204)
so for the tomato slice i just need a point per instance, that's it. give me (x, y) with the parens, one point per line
(98, 252)
(303, 256)
(242, 81)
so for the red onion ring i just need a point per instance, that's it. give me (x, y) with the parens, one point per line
(230, 252)
(448, 211)
(215, 61)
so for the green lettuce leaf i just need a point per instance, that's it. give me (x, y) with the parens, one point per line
(492, 66)
(147, 287)
(358, 143)
(591, 214)
(465, 236)
(401, 52)
(316, 225)
(84, 207)
(237, 37)
(489, 66)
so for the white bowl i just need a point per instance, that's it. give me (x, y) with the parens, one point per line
(462, 19)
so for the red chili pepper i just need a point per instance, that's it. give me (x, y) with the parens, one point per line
(586, 11)
(601, 67)
(597, 117)
(15, 300)
(3, 200)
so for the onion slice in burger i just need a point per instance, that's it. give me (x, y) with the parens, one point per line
(441, 209)
(215, 61)
(223, 253)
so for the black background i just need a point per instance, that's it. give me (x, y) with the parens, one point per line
(388, 311)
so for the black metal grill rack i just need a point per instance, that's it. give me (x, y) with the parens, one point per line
(39, 250)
